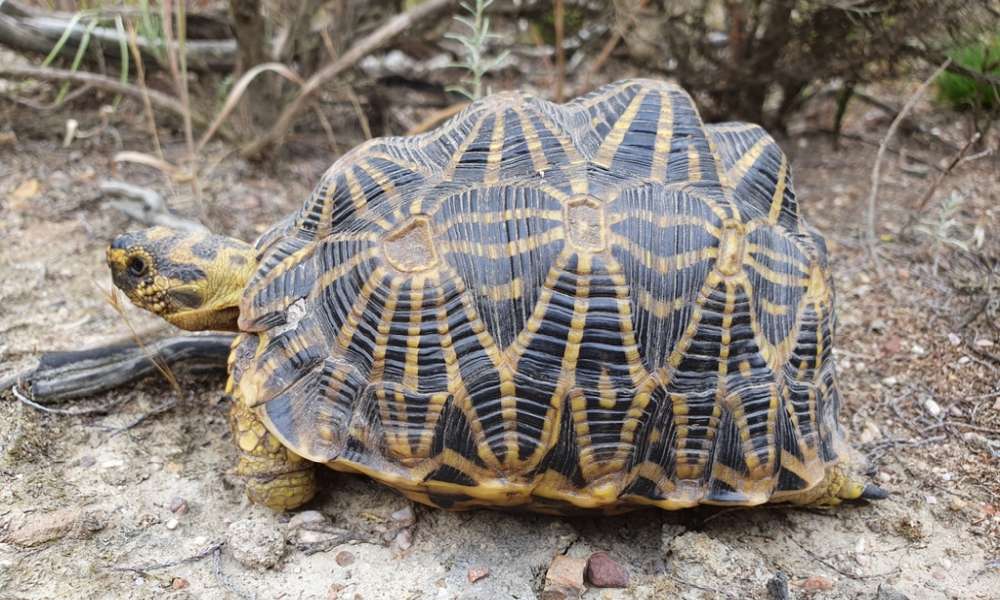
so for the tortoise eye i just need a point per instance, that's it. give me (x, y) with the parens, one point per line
(137, 266)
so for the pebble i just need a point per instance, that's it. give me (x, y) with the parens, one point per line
(889, 381)
(477, 573)
(35, 529)
(957, 504)
(564, 579)
(604, 572)
(306, 517)
(256, 542)
(918, 349)
(87, 461)
(179, 583)
(403, 540)
(932, 407)
(984, 343)
(344, 558)
(404, 516)
(178, 505)
(954, 339)
(172, 524)
(777, 587)
(815, 583)
(886, 592)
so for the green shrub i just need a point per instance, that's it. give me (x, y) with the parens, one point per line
(962, 92)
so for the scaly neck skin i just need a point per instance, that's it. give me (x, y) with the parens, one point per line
(222, 289)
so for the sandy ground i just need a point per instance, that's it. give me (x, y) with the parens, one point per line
(86, 508)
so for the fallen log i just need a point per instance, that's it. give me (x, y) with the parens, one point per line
(30, 30)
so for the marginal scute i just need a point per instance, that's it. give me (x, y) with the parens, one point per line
(598, 305)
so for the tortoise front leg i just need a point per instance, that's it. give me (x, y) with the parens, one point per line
(275, 476)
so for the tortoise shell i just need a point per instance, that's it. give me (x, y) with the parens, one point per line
(599, 304)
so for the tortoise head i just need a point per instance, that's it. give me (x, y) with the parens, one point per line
(192, 279)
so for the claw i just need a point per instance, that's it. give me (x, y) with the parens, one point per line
(874, 492)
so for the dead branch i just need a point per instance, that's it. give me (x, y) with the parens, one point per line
(925, 198)
(144, 569)
(36, 31)
(877, 169)
(373, 41)
(67, 375)
(107, 84)
(146, 206)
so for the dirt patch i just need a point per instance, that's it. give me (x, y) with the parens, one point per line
(917, 356)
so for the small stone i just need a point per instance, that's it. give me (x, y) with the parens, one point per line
(477, 573)
(172, 524)
(256, 542)
(918, 350)
(87, 461)
(932, 407)
(178, 505)
(604, 572)
(886, 592)
(930, 499)
(964, 360)
(403, 541)
(305, 518)
(404, 516)
(889, 381)
(954, 339)
(983, 343)
(815, 583)
(564, 579)
(870, 432)
(35, 529)
(344, 558)
(777, 587)
(884, 477)
(957, 504)
(179, 583)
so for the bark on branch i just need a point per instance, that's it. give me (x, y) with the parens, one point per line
(29, 30)
(65, 375)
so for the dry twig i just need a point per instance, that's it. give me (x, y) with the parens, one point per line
(373, 41)
(877, 169)
(922, 204)
(107, 84)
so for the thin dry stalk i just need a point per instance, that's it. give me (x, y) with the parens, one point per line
(115, 301)
(877, 169)
(609, 47)
(147, 106)
(362, 118)
(560, 25)
(437, 117)
(236, 94)
(922, 204)
(373, 41)
(157, 99)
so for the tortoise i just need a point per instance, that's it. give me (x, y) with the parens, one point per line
(603, 304)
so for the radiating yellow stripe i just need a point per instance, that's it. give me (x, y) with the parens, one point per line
(606, 153)
(777, 201)
(492, 175)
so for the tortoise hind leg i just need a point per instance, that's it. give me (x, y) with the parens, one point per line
(275, 476)
(840, 484)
